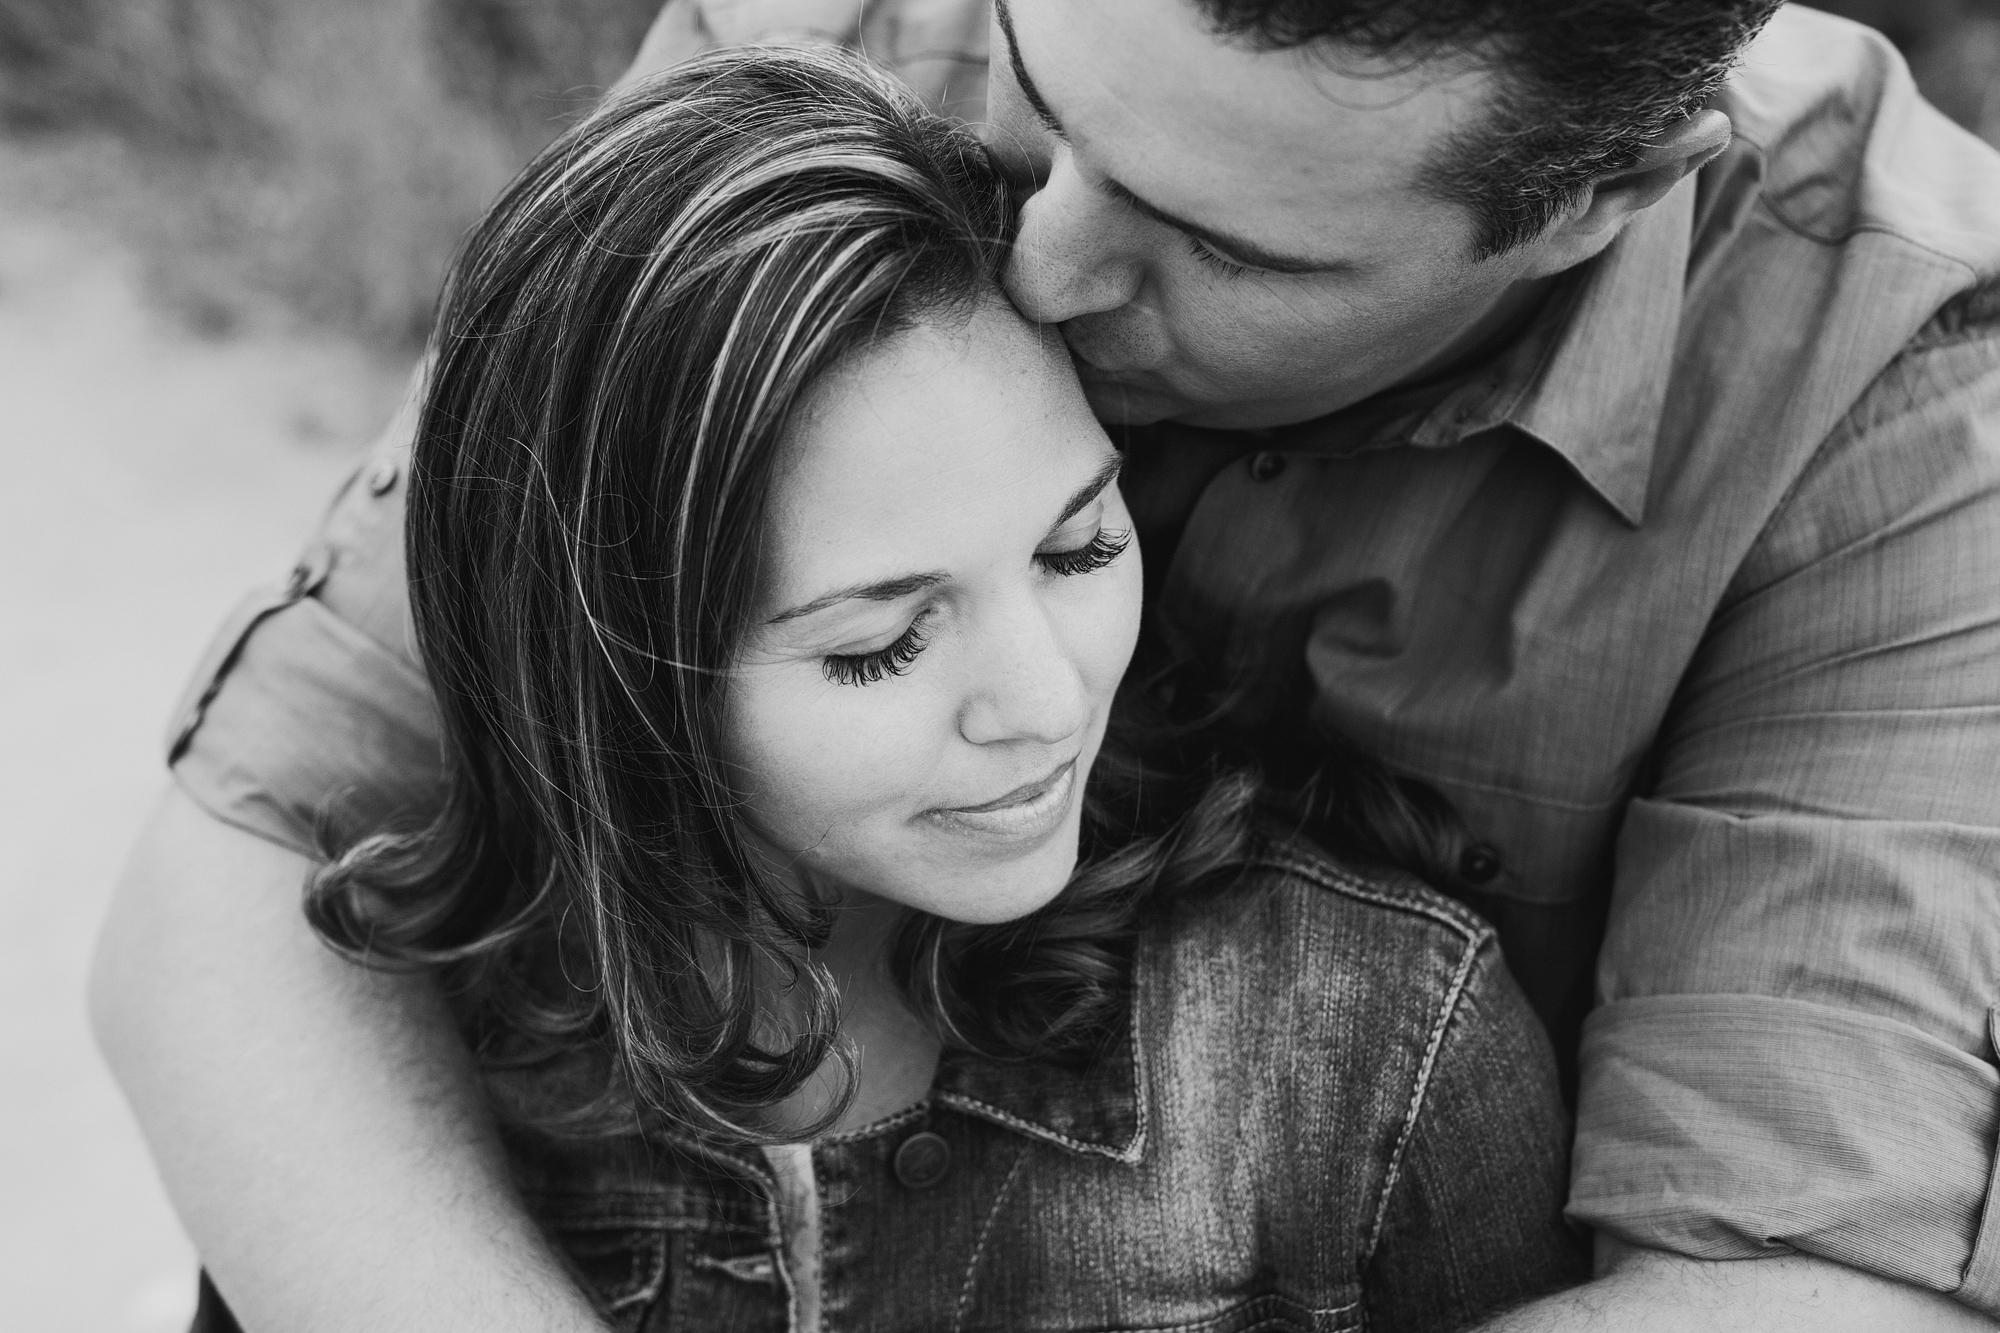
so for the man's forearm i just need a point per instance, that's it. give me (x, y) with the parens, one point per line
(1647, 1291)
(319, 1127)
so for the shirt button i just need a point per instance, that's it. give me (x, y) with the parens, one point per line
(382, 476)
(1480, 864)
(1266, 465)
(923, 1160)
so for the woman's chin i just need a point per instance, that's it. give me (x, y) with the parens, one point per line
(983, 889)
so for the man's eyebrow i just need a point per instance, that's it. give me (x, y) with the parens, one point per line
(1248, 253)
(883, 590)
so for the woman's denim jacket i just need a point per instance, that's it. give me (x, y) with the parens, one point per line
(1331, 1110)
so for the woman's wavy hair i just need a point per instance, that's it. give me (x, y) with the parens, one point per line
(621, 344)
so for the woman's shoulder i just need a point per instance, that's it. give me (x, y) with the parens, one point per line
(1297, 916)
(1318, 1008)
(1369, 971)
(1316, 883)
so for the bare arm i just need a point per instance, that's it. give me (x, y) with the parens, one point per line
(319, 1126)
(1648, 1291)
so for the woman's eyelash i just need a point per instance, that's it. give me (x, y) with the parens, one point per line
(1099, 552)
(894, 660)
(867, 668)
(1215, 262)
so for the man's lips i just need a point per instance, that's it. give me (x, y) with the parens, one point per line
(1098, 351)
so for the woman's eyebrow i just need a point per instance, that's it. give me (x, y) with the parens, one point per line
(883, 590)
(890, 590)
(1089, 491)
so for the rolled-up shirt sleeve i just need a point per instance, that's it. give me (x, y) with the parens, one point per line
(309, 718)
(1794, 1046)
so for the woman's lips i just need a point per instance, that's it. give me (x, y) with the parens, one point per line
(1031, 811)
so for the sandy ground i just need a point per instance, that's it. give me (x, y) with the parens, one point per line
(150, 479)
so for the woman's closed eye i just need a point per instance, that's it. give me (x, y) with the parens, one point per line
(896, 658)
(1080, 545)
(892, 660)
(1102, 548)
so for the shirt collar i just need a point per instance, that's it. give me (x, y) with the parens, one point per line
(1600, 401)
(1098, 1110)
(1589, 378)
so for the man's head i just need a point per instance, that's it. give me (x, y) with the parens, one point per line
(1252, 212)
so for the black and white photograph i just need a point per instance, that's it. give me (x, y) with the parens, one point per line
(1000, 666)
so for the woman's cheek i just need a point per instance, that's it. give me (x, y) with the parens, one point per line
(823, 762)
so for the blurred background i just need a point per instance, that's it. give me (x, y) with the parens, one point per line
(222, 224)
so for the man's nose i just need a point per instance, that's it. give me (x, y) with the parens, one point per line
(1028, 687)
(1073, 251)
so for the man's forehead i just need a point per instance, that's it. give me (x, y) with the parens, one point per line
(1149, 95)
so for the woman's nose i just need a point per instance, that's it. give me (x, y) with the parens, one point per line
(1072, 252)
(1027, 688)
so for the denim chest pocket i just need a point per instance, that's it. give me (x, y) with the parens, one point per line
(645, 1262)
(622, 1268)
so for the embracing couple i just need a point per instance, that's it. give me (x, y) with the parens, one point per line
(799, 888)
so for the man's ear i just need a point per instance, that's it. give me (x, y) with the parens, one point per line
(1617, 198)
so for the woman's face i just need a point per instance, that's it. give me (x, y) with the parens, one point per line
(949, 595)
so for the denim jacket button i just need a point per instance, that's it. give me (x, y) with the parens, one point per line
(922, 1160)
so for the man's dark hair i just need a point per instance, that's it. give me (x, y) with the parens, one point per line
(1585, 86)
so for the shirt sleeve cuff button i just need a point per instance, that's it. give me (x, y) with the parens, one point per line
(1266, 465)
(1479, 864)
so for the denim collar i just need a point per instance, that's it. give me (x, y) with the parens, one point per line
(1098, 1110)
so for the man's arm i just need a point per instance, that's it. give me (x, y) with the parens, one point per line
(1789, 1099)
(319, 1127)
(1647, 1291)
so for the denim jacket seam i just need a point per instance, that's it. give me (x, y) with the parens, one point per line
(1474, 935)
(592, 1219)
(1462, 921)
(1235, 1312)
(985, 1232)
(875, 1128)
(1419, 1092)
(1131, 1154)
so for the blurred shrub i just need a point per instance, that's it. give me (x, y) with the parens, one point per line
(318, 159)
(325, 153)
